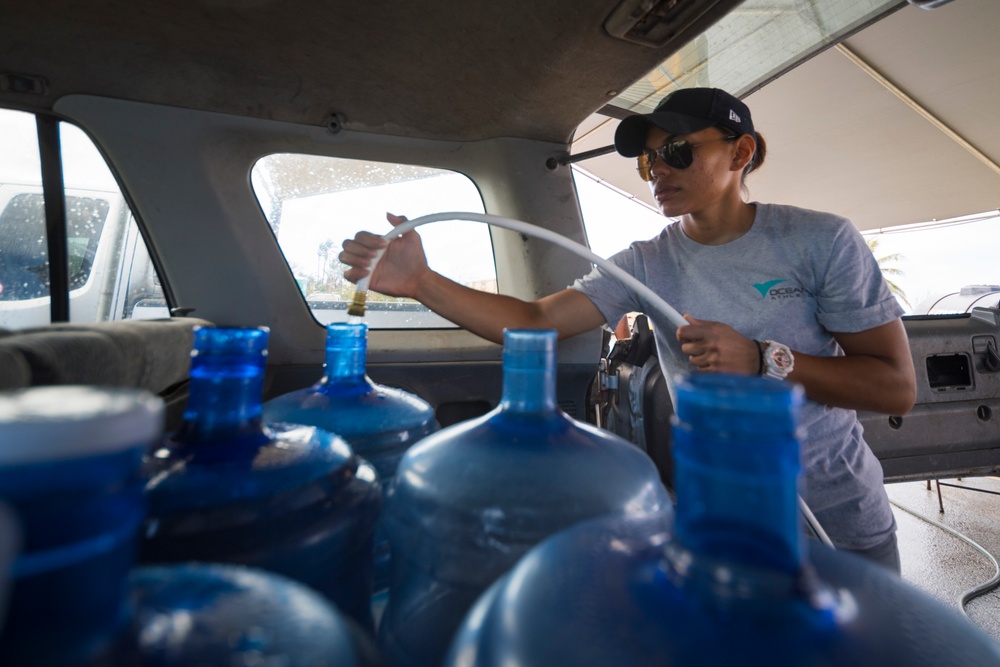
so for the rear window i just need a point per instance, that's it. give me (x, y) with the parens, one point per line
(313, 203)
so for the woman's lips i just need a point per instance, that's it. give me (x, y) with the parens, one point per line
(664, 193)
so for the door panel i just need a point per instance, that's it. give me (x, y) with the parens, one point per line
(954, 429)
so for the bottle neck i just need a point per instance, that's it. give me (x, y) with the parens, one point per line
(227, 384)
(737, 472)
(346, 356)
(529, 371)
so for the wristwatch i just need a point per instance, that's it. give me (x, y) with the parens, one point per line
(778, 360)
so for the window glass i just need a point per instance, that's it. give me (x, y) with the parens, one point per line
(751, 45)
(613, 219)
(313, 203)
(24, 271)
(110, 275)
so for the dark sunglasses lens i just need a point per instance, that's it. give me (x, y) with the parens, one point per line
(677, 154)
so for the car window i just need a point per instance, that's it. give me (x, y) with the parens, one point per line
(109, 270)
(613, 219)
(313, 203)
(24, 271)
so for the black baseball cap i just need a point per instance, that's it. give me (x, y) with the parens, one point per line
(682, 112)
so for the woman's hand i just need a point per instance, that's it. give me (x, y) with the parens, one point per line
(718, 348)
(399, 271)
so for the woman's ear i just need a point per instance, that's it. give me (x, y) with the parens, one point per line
(746, 145)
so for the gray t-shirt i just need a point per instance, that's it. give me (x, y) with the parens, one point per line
(794, 277)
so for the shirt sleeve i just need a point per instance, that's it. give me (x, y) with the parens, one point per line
(608, 294)
(854, 295)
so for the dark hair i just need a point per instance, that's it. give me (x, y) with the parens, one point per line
(758, 156)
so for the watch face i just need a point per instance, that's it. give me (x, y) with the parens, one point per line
(781, 358)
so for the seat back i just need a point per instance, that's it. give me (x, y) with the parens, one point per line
(139, 354)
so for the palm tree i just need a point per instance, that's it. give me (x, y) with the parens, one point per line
(323, 254)
(883, 264)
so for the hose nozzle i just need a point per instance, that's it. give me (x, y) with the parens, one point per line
(357, 307)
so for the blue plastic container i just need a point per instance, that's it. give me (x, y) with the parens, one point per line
(379, 423)
(469, 500)
(209, 614)
(736, 584)
(70, 468)
(287, 498)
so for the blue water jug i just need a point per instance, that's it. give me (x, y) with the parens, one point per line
(736, 583)
(379, 423)
(226, 487)
(70, 468)
(209, 614)
(469, 500)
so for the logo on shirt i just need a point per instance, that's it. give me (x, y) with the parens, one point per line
(773, 290)
(763, 288)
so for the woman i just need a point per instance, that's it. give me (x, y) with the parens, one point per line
(767, 290)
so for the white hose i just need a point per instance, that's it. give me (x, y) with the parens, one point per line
(654, 299)
(814, 524)
(976, 591)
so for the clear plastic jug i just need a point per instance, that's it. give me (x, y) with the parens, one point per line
(469, 500)
(70, 469)
(379, 423)
(226, 487)
(736, 584)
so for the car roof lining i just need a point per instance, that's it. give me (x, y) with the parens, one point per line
(436, 70)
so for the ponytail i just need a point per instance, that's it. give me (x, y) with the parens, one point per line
(758, 157)
(754, 164)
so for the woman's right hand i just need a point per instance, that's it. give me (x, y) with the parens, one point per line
(399, 271)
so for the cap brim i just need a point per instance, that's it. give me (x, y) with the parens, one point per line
(630, 137)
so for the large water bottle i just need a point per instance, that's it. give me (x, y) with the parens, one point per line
(209, 614)
(735, 584)
(378, 422)
(226, 487)
(469, 500)
(70, 468)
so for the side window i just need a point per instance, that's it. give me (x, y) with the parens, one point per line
(25, 267)
(109, 270)
(313, 203)
(614, 219)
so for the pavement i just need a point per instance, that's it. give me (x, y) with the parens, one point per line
(940, 563)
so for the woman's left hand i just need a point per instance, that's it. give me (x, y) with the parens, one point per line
(718, 348)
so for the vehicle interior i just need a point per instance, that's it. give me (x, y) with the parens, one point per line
(230, 127)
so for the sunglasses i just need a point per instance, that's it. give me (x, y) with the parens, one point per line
(676, 154)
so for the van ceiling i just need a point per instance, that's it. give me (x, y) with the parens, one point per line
(443, 69)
